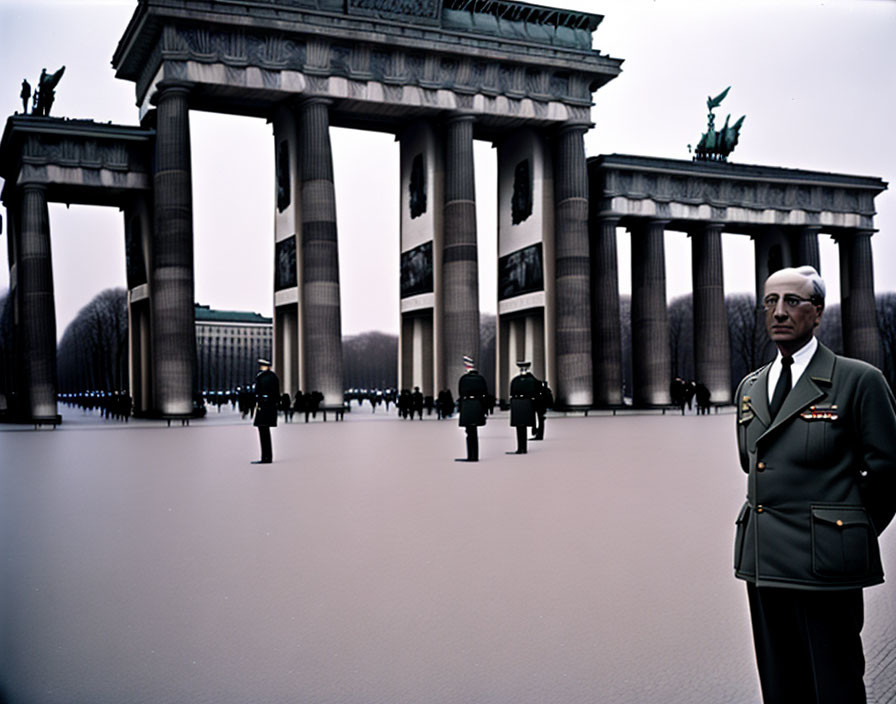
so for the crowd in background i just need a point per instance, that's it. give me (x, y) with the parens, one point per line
(686, 393)
(116, 405)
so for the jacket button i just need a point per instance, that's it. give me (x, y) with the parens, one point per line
(759, 509)
(760, 466)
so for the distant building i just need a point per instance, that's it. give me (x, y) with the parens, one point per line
(228, 345)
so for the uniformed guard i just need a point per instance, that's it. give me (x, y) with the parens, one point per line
(417, 403)
(472, 390)
(267, 397)
(523, 390)
(543, 401)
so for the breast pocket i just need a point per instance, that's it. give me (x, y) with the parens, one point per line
(841, 541)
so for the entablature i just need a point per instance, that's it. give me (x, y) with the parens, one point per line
(740, 197)
(79, 161)
(530, 63)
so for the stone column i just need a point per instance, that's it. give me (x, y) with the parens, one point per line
(712, 354)
(10, 233)
(11, 374)
(861, 337)
(651, 361)
(321, 319)
(171, 273)
(606, 334)
(460, 266)
(805, 247)
(514, 336)
(572, 275)
(37, 309)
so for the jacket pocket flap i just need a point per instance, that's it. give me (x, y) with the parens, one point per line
(850, 516)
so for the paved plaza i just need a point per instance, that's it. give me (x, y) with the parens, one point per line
(143, 563)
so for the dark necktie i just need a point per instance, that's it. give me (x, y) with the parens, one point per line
(782, 388)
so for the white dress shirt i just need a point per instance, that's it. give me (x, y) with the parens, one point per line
(801, 359)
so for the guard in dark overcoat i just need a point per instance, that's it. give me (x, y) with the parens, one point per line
(523, 390)
(815, 434)
(267, 397)
(702, 395)
(417, 403)
(471, 392)
(543, 401)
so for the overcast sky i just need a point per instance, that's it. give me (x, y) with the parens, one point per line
(815, 80)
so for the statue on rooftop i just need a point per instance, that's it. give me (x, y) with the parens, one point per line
(46, 92)
(716, 145)
(25, 95)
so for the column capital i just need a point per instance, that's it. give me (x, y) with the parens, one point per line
(568, 127)
(647, 222)
(302, 103)
(850, 234)
(704, 227)
(33, 186)
(170, 88)
(456, 117)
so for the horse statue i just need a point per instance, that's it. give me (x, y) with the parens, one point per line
(716, 145)
(46, 92)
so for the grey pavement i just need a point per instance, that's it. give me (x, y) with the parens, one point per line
(150, 564)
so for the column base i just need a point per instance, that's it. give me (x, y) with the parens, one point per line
(31, 420)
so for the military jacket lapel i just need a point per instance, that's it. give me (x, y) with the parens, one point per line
(758, 400)
(810, 387)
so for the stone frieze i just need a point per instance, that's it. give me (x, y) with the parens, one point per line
(738, 193)
(83, 153)
(319, 56)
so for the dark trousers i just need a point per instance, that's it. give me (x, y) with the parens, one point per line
(521, 431)
(264, 435)
(472, 443)
(808, 645)
(538, 430)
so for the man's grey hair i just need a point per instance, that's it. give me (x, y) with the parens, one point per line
(819, 290)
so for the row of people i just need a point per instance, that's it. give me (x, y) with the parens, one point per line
(685, 392)
(530, 399)
(117, 405)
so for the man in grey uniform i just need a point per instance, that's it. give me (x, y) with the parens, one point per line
(816, 433)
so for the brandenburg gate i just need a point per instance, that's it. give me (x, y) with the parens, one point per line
(437, 74)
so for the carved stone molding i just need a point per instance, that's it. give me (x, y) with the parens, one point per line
(323, 57)
(86, 153)
(62, 153)
(732, 193)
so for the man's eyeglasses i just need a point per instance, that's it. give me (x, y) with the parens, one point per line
(791, 301)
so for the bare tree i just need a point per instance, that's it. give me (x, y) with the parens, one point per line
(488, 328)
(746, 331)
(681, 336)
(830, 331)
(625, 326)
(92, 354)
(7, 355)
(370, 361)
(886, 321)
